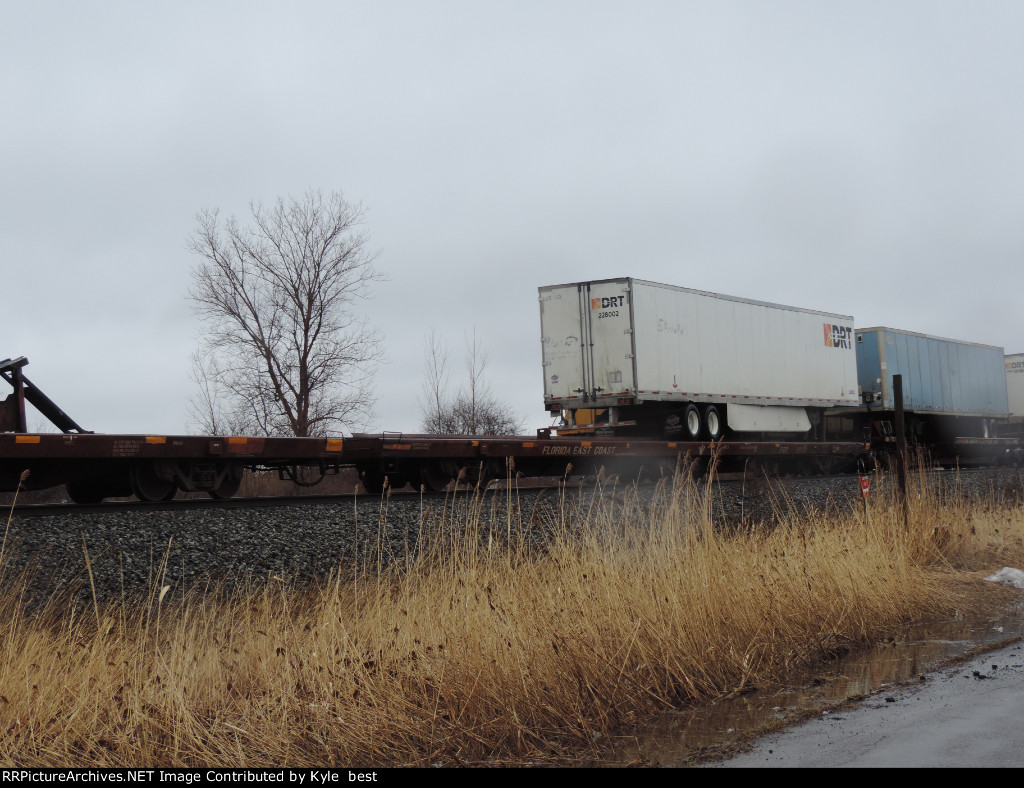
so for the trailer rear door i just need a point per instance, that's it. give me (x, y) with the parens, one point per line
(587, 341)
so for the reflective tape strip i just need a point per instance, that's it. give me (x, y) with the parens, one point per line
(237, 441)
(156, 439)
(335, 444)
(26, 439)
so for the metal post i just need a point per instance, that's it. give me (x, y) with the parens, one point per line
(19, 400)
(901, 445)
(865, 488)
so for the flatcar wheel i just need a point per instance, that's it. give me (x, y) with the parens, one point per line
(373, 481)
(698, 468)
(85, 491)
(147, 485)
(434, 478)
(228, 487)
(691, 422)
(713, 427)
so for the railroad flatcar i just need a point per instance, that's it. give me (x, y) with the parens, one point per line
(643, 377)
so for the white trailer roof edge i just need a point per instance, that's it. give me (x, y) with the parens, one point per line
(695, 291)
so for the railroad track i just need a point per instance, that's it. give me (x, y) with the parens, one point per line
(837, 481)
(199, 504)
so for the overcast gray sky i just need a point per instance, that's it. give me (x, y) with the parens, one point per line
(864, 158)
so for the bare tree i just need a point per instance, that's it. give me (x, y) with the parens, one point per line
(473, 410)
(434, 406)
(215, 409)
(284, 351)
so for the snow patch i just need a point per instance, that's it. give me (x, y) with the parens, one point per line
(1008, 576)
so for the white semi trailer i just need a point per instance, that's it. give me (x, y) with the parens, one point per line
(662, 360)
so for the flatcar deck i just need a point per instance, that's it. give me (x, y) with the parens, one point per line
(153, 467)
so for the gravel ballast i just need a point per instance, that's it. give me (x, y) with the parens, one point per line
(135, 551)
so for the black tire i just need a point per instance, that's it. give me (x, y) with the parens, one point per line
(714, 424)
(692, 423)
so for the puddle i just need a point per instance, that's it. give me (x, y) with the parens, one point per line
(677, 735)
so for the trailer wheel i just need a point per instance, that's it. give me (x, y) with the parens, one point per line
(713, 426)
(692, 422)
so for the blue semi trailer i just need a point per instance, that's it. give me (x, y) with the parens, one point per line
(951, 389)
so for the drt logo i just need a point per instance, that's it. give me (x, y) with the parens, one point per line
(838, 336)
(610, 302)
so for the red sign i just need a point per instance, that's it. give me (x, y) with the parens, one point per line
(865, 486)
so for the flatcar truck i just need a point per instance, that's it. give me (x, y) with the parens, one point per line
(657, 360)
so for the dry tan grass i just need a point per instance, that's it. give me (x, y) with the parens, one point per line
(486, 646)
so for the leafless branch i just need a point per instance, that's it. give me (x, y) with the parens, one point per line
(473, 410)
(284, 351)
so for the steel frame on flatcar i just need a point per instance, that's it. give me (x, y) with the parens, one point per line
(155, 467)
(434, 461)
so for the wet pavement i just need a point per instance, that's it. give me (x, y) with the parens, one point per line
(910, 714)
(967, 716)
